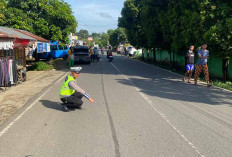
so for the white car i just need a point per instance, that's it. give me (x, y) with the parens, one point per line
(131, 50)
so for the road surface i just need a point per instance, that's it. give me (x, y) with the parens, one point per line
(140, 111)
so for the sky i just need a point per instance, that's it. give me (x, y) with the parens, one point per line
(96, 15)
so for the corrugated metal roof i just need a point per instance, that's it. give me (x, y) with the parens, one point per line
(38, 38)
(15, 33)
(5, 35)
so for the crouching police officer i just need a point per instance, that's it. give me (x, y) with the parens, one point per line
(70, 93)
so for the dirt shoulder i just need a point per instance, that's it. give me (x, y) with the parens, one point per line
(13, 98)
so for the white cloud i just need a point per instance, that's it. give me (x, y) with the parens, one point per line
(96, 15)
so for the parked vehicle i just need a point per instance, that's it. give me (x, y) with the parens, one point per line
(120, 49)
(56, 51)
(131, 50)
(81, 54)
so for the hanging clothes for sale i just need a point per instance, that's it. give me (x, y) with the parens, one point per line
(0, 71)
(5, 78)
(15, 74)
(10, 71)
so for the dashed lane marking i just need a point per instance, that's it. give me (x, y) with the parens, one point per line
(161, 114)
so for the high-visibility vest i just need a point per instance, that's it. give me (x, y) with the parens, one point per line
(65, 90)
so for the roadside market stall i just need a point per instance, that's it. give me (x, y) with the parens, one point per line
(14, 44)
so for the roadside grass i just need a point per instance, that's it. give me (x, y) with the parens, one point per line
(214, 81)
(222, 84)
(43, 65)
(40, 66)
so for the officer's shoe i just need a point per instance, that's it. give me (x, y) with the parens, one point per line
(79, 107)
(66, 109)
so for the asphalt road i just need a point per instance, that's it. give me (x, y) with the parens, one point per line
(140, 111)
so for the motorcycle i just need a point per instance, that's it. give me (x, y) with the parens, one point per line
(110, 57)
(102, 52)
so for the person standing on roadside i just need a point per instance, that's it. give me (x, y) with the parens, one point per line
(91, 52)
(189, 60)
(71, 62)
(118, 50)
(96, 54)
(69, 54)
(203, 56)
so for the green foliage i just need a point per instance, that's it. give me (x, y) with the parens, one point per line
(83, 34)
(102, 39)
(226, 85)
(217, 21)
(117, 36)
(2, 11)
(51, 19)
(40, 66)
(175, 25)
(131, 21)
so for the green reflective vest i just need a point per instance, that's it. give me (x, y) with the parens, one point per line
(65, 90)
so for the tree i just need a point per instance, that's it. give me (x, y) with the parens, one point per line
(150, 22)
(104, 39)
(131, 21)
(96, 35)
(51, 19)
(117, 36)
(218, 34)
(2, 11)
(83, 34)
(217, 29)
(174, 25)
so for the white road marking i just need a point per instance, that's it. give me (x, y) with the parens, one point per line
(161, 114)
(29, 107)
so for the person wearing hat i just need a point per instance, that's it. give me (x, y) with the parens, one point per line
(70, 93)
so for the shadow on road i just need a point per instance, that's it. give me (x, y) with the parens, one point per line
(52, 105)
(159, 83)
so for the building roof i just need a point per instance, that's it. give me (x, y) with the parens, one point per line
(38, 38)
(6, 32)
(5, 35)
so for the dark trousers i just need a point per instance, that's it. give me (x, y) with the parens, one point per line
(74, 100)
(92, 57)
